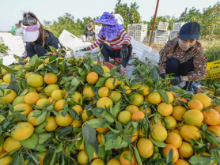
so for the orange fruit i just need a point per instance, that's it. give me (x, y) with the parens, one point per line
(195, 104)
(5, 160)
(157, 121)
(193, 117)
(33, 120)
(85, 116)
(78, 109)
(215, 129)
(35, 80)
(104, 102)
(134, 136)
(50, 78)
(27, 108)
(114, 161)
(145, 147)
(128, 90)
(165, 109)
(50, 88)
(205, 100)
(170, 97)
(137, 116)
(102, 130)
(76, 123)
(28, 74)
(88, 92)
(181, 162)
(109, 83)
(142, 108)
(42, 103)
(99, 139)
(138, 99)
(7, 97)
(82, 158)
(178, 112)
(124, 117)
(51, 124)
(174, 139)
(7, 78)
(211, 117)
(158, 132)
(144, 90)
(176, 131)
(190, 132)
(59, 104)
(63, 121)
(41, 158)
(132, 108)
(154, 97)
(22, 131)
(180, 99)
(98, 162)
(127, 162)
(171, 122)
(10, 144)
(18, 100)
(175, 152)
(186, 150)
(92, 77)
(31, 98)
(115, 96)
(77, 97)
(217, 108)
(103, 92)
(106, 69)
(57, 94)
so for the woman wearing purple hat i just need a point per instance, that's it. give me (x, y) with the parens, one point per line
(184, 57)
(38, 39)
(116, 36)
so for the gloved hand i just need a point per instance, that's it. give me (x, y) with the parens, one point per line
(163, 75)
(177, 80)
(124, 51)
(84, 49)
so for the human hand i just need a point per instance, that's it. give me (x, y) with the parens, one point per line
(177, 80)
(124, 51)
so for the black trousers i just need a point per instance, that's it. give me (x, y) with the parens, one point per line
(108, 51)
(173, 65)
(35, 49)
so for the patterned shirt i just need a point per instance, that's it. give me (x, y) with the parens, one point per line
(116, 43)
(173, 50)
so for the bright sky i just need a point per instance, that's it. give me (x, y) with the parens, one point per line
(11, 10)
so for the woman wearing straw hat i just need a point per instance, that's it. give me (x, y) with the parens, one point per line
(119, 41)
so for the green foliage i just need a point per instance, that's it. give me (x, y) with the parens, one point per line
(130, 14)
(208, 18)
(3, 48)
(213, 53)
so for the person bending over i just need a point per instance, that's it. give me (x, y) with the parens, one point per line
(38, 39)
(184, 57)
(119, 41)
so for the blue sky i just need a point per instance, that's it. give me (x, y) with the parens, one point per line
(11, 10)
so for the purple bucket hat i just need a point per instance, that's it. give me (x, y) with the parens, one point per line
(31, 33)
(111, 28)
(106, 19)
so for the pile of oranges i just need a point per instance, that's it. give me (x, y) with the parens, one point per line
(48, 113)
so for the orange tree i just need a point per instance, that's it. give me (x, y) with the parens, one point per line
(130, 14)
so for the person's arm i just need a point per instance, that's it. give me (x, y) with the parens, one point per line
(199, 62)
(125, 37)
(163, 59)
(96, 44)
